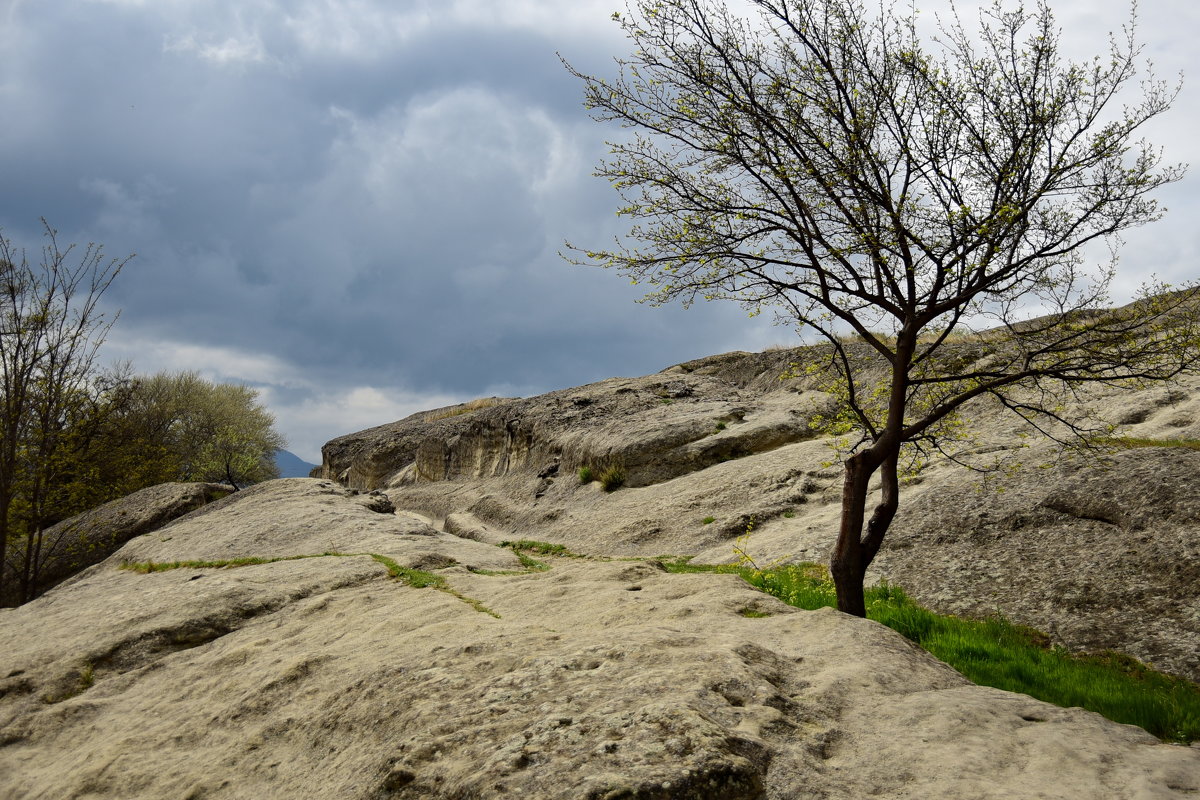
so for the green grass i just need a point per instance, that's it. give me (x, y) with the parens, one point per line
(541, 548)
(996, 652)
(522, 547)
(1130, 442)
(145, 567)
(420, 579)
(586, 475)
(416, 578)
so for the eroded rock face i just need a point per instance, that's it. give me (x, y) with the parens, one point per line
(1100, 553)
(1100, 556)
(88, 538)
(655, 428)
(323, 677)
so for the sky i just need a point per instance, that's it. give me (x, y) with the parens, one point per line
(357, 206)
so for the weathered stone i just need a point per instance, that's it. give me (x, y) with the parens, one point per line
(322, 677)
(1099, 551)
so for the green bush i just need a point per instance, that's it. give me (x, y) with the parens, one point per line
(586, 475)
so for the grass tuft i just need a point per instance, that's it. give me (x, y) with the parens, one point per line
(612, 478)
(709, 520)
(586, 475)
(465, 408)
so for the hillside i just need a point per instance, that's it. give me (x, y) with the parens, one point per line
(291, 465)
(1098, 549)
(323, 676)
(367, 635)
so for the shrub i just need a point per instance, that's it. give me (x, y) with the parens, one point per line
(586, 475)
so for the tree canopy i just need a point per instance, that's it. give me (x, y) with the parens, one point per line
(829, 163)
(187, 428)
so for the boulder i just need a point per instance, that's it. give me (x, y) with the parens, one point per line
(88, 538)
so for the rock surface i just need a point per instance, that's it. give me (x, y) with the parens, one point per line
(1095, 550)
(323, 677)
(88, 538)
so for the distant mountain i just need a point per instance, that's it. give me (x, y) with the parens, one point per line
(291, 465)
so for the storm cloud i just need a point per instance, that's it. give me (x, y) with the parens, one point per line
(357, 206)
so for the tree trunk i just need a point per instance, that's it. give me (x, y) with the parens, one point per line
(854, 552)
(3, 544)
(26, 579)
(847, 566)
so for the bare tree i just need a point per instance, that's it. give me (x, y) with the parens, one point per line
(51, 326)
(830, 164)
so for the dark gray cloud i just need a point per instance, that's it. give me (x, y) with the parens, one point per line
(357, 206)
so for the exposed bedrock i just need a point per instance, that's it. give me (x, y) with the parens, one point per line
(324, 677)
(652, 428)
(1099, 551)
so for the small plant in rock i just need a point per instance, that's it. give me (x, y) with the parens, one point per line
(754, 613)
(709, 520)
(744, 560)
(1130, 442)
(720, 426)
(586, 475)
(612, 478)
(789, 514)
(741, 543)
(465, 408)
(85, 681)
